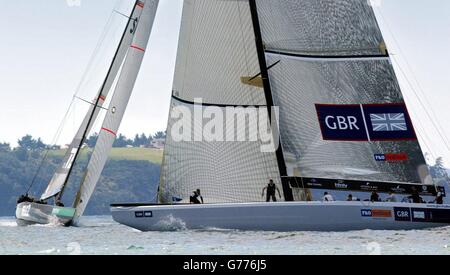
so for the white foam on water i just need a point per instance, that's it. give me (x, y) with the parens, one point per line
(8, 223)
(175, 239)
(49, 251)
(172, 224)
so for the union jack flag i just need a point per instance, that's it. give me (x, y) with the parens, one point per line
(389, 122)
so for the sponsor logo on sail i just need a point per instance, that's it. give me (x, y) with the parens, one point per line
(420, 215)
(376, 213)
(366, 213)
(391, 157)
(398, 189)
(314, 183)
(402, 214)
(342, 122)
(382, 122)
(369, 187)
(341, 185)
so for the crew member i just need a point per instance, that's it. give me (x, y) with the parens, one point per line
(270, 191)
(327, 197)
(374, 197)
(415, 196)
(196, 198)
(439, 198)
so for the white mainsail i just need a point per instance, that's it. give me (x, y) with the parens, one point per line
(117, 107)
(311, 53)
(332, 56)
(60, 178)
(216, 51)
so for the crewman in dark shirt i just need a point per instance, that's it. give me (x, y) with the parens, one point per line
(415, 196)
(270, 191)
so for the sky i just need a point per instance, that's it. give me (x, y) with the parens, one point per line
(47, 45)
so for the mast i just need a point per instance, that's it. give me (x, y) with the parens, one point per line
(118, 105)
(100, 96)
(269, 98)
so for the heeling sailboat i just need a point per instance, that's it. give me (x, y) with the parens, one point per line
(127, 61)
(343, 123)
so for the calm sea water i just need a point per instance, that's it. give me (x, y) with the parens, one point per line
(101, 235)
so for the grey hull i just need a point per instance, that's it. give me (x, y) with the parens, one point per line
(298, 216)
(33, 213)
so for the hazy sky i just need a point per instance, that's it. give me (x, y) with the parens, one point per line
(46, 46)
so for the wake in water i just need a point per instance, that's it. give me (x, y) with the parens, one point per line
(172, 224)
(8, 223)
(101, 235)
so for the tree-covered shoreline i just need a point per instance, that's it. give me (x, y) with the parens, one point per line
(131, 175)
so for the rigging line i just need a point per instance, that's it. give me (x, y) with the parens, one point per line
(47, 152)
(438, 127)
(268, 68)
(428, 148)
(60, 129)
(124, 15)
(90, 103)
(426, 139)
(425, 109)
(95, 53)
(403, 56)
(86, 132)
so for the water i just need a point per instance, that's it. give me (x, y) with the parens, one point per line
(100, 235)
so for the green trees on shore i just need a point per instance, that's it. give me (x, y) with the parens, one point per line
(122, 180)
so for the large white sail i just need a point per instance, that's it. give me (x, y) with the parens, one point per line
(324, 63)
(119, 102)
(216, 51)
(342, 113)
(60, 178)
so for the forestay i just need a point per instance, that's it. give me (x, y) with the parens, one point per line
(60, 178)
(119, 102)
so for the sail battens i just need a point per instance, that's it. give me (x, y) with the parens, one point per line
(216, 48)
(213, 105)
(226, 172)
(330, 57)
(137, 48)
(326, 27)
(217, 62)
(323, 126)
(140, 4)
(109, 131)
